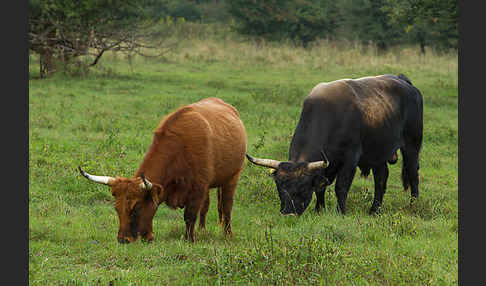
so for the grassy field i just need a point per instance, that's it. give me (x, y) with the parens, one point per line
(104, 121)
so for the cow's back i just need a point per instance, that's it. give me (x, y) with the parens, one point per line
(226, 139)
(369, 111)
(203, 143)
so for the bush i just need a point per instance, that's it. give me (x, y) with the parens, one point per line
(301, 21)
(365, 21)
(184, 9)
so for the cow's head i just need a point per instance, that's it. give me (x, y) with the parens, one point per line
(295, 182)
(136, 201)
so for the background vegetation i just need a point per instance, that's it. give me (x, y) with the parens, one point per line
(104, 118)
(61, 31)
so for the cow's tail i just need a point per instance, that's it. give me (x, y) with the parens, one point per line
(414, 128)
(404, 78)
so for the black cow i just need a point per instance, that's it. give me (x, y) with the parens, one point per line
(346, 124)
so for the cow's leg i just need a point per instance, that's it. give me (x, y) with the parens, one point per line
(345, 177)
(343, 182)
(227, 195)
(410, 168)
(191, 210)
(320, 196)
(148, 233)
(203, 212)
(220, 206)
(380, 176)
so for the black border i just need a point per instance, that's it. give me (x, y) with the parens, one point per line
(15, 139)
(471, 143)
(15, 123)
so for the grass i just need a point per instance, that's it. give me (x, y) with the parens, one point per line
(104, 121)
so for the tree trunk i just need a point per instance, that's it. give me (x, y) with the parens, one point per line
(421, 40)
(422, 47)
(46, 61)
(382, 47)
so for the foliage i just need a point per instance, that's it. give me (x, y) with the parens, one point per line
(301, 20)
(428, 22)
(214, 12)
(363, 20)
(63, 30)
(383, 22)
(161, 9)
(186, 10)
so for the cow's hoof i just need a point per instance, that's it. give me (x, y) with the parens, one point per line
(148, 237)
(374, 211)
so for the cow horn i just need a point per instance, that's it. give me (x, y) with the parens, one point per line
(97, 179)
(269, 163)
(147, 185)
(316, 165)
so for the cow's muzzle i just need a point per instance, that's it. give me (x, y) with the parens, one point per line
(288, 214)
(123, 240)
(126, 239)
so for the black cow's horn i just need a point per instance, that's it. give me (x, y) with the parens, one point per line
(147, 185)
(316, 165)
(97, 179)
(269, 163)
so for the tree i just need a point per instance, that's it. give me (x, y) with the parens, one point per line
(313, 19)
(428, 22)
(364, 20)
(299, 20)
(60, 30)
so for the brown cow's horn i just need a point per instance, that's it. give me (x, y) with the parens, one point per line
(147, 185)
(269, 163)
(105, 180)
(316, 165)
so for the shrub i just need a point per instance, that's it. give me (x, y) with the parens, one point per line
(301, 20)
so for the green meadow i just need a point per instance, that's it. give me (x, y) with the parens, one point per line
(103, 120)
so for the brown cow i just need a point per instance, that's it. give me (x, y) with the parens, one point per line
(197, 147)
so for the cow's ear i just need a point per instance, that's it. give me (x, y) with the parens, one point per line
(156, 193)
(320, 181)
